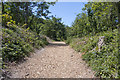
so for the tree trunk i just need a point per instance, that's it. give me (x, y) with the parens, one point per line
(27, 14)
(2, 7)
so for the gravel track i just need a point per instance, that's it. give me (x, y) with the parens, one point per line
(57, 60)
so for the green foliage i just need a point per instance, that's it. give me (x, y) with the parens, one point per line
(18, 42)
(54, 29)
(23, 28)
(22, 12)
(68, 41)
(83, 44)
(99, 17)
(105, 62)
(6, 18)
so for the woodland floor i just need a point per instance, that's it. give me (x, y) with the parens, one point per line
(57, 60)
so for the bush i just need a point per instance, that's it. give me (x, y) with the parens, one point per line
(105, 62)
(18, 42)
(83, 44)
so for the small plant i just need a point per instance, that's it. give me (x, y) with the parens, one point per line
(18, 42)
(105, 62)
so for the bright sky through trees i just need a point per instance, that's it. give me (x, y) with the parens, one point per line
(67, 11)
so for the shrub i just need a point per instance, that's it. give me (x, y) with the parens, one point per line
(105, 62)
(18, 42)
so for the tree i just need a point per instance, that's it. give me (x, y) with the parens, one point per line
(98, 17)
(53, 28)
(23, 11)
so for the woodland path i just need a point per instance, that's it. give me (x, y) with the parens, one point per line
(57, 60)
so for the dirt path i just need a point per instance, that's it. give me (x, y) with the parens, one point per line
(57, 60)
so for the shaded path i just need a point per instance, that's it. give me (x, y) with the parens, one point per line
(57, 60)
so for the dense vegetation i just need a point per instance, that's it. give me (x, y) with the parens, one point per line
(24, 29)
(105, 62)
(54, 29)
(19, 42)
(26, 25)
(98, 19)
(35, 16)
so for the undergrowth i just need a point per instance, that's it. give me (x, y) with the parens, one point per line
(105, 62)
(18, 42)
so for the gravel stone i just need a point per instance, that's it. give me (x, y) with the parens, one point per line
(57, 60)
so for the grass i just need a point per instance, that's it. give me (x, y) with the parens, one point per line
(105, 62)
(18, 42)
